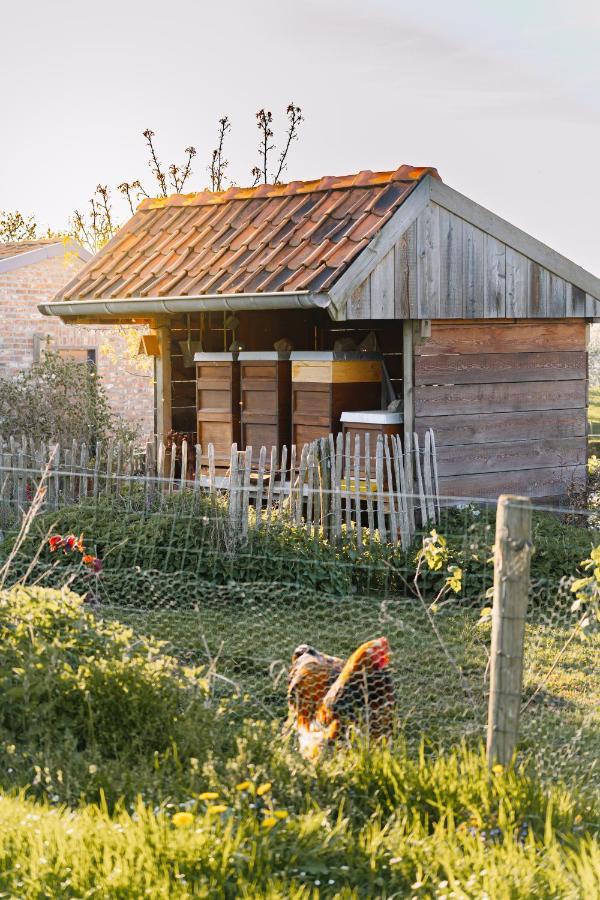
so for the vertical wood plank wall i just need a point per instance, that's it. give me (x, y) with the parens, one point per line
(507, 403)
(444, 267)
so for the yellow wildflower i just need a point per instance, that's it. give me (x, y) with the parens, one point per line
(497, 769)
(244, 786)
(269, 822)
(280, 814)
(208, 795)
(218, 808)
(183, 819)
(263, 788)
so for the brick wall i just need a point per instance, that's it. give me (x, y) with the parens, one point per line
(128, 381)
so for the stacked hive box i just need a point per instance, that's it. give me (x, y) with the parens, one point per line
(373, 422)
(218, 403)
(325, 384)
(265, 399)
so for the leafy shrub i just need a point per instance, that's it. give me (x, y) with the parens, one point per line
(185, 534)
(77, 691)
(59, 400)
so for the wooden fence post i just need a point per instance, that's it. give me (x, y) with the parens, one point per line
(512, 556)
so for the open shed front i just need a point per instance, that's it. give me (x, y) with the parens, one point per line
(266, 397)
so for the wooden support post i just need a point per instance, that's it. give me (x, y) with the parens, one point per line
(162, 385)
(408, 378)
(512, 556)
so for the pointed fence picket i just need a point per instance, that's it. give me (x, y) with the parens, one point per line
(332, 488)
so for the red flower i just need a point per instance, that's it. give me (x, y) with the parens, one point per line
(93, 562)
(55, 542)
(72, 542)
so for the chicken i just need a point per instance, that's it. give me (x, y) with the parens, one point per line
(311, 675)
(327, 696)
(362, 694)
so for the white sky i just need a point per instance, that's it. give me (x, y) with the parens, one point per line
(503, 97)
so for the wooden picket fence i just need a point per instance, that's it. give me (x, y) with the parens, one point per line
(330, 487)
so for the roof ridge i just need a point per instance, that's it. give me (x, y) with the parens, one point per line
(365, 178)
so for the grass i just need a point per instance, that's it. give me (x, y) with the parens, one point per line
(560, 729)
(594, 410)
(367, 823)
(110, 738)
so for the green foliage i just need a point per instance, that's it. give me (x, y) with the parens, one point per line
(172, 791)
(77, 691)
(187, 534)
(59, 400)
(587, 592)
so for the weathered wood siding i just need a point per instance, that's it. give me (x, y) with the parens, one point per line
(443, 267)
(507, 403)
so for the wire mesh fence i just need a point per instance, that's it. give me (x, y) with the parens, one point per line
(263, 607)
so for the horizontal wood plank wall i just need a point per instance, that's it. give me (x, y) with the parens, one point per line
(443, 267)
(507, 403)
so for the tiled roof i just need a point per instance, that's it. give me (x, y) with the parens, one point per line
(290, 237)
(9, 249)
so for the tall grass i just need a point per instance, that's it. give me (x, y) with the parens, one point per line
(368, 824)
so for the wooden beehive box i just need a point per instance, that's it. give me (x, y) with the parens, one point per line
(325, 384)
(373, 422)
(218, 403)
(265, 379)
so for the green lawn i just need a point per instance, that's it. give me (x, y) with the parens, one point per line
(441, 690)
(594, 417)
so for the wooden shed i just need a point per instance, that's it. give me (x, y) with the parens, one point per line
(483, 329)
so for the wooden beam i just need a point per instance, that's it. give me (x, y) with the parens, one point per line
(162, 385)
(408, 392)
(512, 557)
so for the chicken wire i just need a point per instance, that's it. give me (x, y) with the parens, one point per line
(240, 604)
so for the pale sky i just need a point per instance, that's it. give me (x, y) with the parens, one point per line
(502, 96)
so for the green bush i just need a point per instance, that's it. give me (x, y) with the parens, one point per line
(140, 543)
(59, 400)
(79, 692)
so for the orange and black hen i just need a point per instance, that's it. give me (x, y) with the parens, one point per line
(362, 694)
(310, 677)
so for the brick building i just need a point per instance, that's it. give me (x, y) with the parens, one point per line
(32, 272)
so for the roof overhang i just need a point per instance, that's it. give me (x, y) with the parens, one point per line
(47, 251)
(134, 308)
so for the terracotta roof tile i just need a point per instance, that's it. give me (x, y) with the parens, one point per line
(296, 236)
(9, 249)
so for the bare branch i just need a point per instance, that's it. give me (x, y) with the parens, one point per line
(295, 119)
(155, 164)
(125, 188)
(264, 120)
(187, 167)
(14, 226)
(218, 163)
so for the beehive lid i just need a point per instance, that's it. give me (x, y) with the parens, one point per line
(260, 355)
(215, 357)
(373, 417)
(332, 356)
